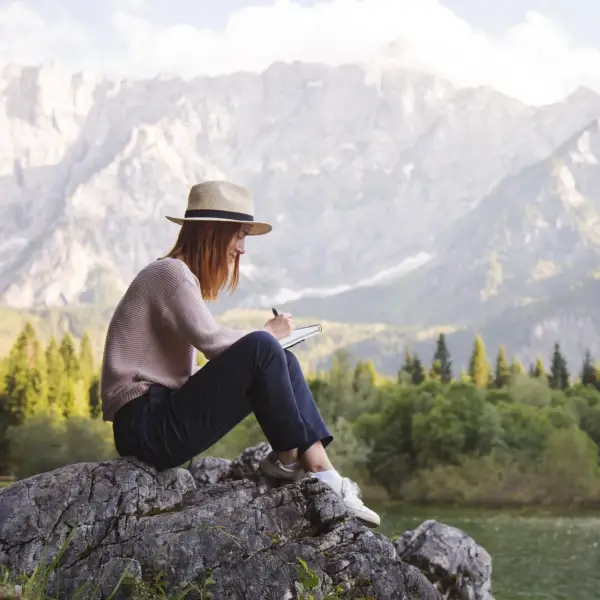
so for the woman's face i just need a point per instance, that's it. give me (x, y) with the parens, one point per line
(237, 244)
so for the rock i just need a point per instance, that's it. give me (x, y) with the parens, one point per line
(453, 561)
(121, 521)
(210, 470)
(247, 464)
(12, 592)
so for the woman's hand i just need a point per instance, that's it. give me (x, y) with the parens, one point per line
(280, 326)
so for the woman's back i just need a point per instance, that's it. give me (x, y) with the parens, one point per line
(140, 347)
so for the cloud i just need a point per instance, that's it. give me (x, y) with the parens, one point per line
(27, 38)
(536, 61)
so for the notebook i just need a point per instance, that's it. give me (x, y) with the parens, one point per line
(299, 335)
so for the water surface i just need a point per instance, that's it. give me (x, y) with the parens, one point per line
(536, 555)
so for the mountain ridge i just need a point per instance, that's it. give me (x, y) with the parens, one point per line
(370, 186)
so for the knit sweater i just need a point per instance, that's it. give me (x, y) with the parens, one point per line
(154, 333)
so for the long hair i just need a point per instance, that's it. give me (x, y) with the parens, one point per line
(203, 247)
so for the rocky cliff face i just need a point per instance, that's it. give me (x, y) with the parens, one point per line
(366, 172)
(522, 267)
(222, 529)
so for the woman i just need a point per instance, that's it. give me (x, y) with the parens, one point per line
(164, 409)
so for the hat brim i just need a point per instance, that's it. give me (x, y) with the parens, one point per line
(256, 227)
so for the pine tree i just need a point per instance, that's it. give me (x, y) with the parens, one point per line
(26, 384)
(588, 372)
(464, 376)
(597, 375)
(407, 367)
(435, 372)
(70, 358)
(364, 376)
(502, 377)
(418, 371)
(55, 368)
(94, 397)
(516, 367)
(86, 359)
(559, 373)
(442, 361)
(539, 371)
(479, 366)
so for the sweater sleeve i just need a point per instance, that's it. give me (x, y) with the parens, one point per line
(187, 314)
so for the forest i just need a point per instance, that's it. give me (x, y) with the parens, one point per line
(495, 434)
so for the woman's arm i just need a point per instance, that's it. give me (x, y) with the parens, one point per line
(187, 314)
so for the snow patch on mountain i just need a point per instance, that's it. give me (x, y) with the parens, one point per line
(284, 295)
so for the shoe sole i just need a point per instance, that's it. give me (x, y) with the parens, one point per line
(369, 524)
(364, 520)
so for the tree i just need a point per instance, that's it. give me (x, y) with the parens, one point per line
(26, 383)
(338, 394)
(539, 371)
(435, 372)
(516, 367)
(94, 398)
(55, 368)
(418, 371)
(479, 366)
(588, 371)
(559, 373)
(407, 367)
(86, 359)
(502, 377)
(70, 358)
(442, 364)
(464, 376)
(363, 379)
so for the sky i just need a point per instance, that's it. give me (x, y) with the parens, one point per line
(536, 50)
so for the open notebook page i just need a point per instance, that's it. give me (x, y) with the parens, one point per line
(299, 335)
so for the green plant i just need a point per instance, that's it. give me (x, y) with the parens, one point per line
(308, 581)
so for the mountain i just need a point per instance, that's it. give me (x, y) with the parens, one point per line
(535, 235)
(361, 176)
(398, 201)
(571, 318)
(522, 268)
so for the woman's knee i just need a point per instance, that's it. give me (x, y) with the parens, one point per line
(292, 361)
(263, 339)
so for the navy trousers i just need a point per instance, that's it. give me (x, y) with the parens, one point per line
(165, 428)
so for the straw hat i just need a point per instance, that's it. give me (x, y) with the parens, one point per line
(222, 201)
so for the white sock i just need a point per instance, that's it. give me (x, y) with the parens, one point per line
(330, 477)
(291, 466)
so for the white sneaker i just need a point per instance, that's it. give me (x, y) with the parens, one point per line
(350, 494)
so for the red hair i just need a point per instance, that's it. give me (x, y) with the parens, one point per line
(204, 247)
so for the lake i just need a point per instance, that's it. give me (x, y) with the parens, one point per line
(535, 554)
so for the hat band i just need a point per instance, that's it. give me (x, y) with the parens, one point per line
(205, 213)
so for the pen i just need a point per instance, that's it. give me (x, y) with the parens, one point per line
(275, 313)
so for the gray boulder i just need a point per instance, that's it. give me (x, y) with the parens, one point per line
(121, 525)
(453, 561)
